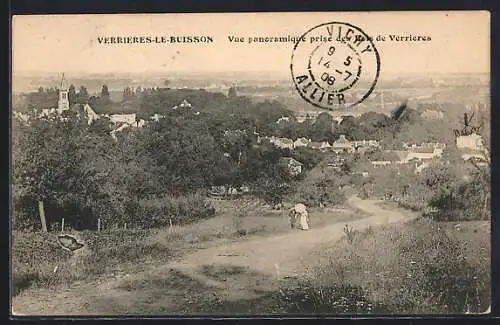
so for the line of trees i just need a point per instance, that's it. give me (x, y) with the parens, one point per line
(148, 101)
(148, 177)
(162, 171)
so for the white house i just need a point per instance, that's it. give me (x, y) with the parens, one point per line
(381, 163)
(415, 155)
(283, 119)
(156, 117)
(366, 143)
(430, 114)
(301, 142)
(123, 118)
(183, 104)
(472, 147)
(294, 167)
(314, 145)
(283, 143)
(91, 114)
(22, 117)
(325, 146)
(342, 145)
(473, 141)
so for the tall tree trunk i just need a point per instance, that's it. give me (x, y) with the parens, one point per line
(41, 210)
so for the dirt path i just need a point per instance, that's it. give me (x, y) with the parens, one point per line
(218, 268)
(284, 255)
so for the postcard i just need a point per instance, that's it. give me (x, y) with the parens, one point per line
(239, 164)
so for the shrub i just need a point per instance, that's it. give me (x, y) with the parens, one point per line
(35, 256)
(319, 187)
(423, 269)
(159, 211)
(310, 297)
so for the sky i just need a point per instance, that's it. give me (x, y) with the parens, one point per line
(460, 41)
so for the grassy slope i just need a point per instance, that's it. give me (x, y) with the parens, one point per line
(35, 255)
(425, 268)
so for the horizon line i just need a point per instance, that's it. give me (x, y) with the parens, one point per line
(13, 72)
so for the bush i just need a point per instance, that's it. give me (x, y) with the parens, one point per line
(423, 269)
(311, 297)
(319, 187)
(35, 256)
(159, 211)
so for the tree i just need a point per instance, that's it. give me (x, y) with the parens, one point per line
(347, 125)
(105, 95)
(47, 168)
(319, 188)
(323, 128)
(231, 94)
(83, 93)
(440, 183)
(104, 91)
(186, 161)
(371, 125)
(71, 94)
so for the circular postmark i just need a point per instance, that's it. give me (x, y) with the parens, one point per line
(335, 65)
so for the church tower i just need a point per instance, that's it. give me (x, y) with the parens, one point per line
(63, 103)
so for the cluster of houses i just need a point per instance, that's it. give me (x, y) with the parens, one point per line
(420, 155)
(119, 121)
(432, 114)
(341, 145)
(303, 116)
(471, 147)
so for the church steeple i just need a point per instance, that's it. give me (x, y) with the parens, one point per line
(63, 83)
(63, 103)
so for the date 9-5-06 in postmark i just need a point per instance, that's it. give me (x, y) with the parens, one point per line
(335, 65)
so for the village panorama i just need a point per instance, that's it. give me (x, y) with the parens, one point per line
(210, 195)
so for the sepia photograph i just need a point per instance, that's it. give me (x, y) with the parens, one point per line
(239, 164)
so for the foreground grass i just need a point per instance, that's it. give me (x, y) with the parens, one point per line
(35, 256)
(417, 268)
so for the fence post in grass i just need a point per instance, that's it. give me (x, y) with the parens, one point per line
(41, 210)
(98, 224)
(125, 226)
(62, 225)
(170, 221)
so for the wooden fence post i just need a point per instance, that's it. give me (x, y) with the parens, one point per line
(98, 224)
(170, 221)
(41, 210)
(62, 225)
(125, 226)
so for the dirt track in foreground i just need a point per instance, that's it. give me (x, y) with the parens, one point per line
(271, 257)
(284, 255)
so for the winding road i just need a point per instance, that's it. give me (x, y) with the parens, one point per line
(283, 255)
